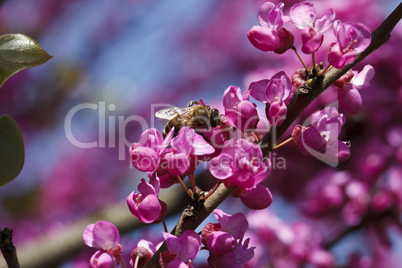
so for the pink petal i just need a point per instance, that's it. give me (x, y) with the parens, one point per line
(105, 235)
(263, 12)
(145, 188)
(231, 97)
(311, 41)
(144, 158)
(350, 100)
(275, 90)
(362, 79)
(189, 245)
(236, 224)
(149, 209)
(201, 147)
(220, 166)
(101, 259)
(178, 163)
(326, 21)
(172, 242)
(257, 197)
(276, 19)
(302, 14)
(277, 113)
(249, 117)
(287, 82)
(310, 142)
(257, 90)
(263, 38)
(151, 138)
(88, 236)
(220, 243)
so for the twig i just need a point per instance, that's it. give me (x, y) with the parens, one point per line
(8, 249)
(190, 220)
(300, 102)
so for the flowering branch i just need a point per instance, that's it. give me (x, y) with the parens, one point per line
(192, 218)
(300, 101)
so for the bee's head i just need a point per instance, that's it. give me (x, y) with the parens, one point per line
(215, 118)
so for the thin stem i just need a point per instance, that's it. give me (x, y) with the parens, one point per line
(276, 146)
(210, 192)
(122, 262)
(329, 67)
(184, 186)
(192, 180)
(313, 59)
(255, 137)
(164, 224)
(297, 54)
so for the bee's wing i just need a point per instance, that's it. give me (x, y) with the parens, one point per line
(167, 114)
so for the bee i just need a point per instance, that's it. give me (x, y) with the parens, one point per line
(195, 115)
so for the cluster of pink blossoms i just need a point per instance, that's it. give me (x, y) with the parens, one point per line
(232, 148)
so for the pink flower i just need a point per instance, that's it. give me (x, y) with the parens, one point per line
(270, 36)
(304, 17)
(146, 153)
(348, 94)
(320, 139)
(101, 259)
(181, 158)
(224, 240)
(105, 236)
(142, 253)
(353, 38)
(181, 250)
(145, 205)
(256, 197)
(239, 111)
(240, 164)
(276, 93)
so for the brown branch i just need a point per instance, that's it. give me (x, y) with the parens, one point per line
(8, 249)
(300, 102)
(190, 221)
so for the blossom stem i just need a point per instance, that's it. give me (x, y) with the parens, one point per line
(313, 59)
(282, 143)
(258, 135)
(164, 224)
(192, 180)
(297, 54)
(184, 186)
(255, 137)
(212, 190)
(122, 262)
(329, 67)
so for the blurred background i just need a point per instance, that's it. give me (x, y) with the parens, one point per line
(116, 62)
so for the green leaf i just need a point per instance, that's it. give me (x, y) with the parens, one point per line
(19, 52)
(11, 150)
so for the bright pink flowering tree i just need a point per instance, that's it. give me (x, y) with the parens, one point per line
(240, 161)
(235, 156)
